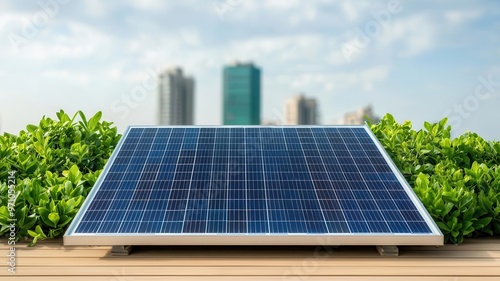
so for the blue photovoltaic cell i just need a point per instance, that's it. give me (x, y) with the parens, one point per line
(250, 180)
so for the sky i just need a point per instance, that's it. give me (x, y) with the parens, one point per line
(418, 60)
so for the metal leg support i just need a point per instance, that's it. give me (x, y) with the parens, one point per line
(390, 251)
(121, 250)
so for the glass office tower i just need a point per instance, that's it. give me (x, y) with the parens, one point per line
(241, 94)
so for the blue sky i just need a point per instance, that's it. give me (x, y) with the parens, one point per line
(419, 60)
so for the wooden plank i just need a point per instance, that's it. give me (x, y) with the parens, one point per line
(246, 278)
(63, 254)
(494, 246)
(262, 262)
(242, 252)
(258, 271)
(101, 254)
(212, 251)
(53, 246)
(470, 244)
(490, 246)
(477, 259)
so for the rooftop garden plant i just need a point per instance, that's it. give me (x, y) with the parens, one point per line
(47, 170)
(457, 180)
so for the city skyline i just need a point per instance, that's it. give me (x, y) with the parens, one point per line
(418, 60)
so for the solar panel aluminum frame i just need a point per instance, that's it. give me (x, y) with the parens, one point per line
(337, 239)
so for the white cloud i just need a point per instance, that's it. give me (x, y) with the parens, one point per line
(284, 48)
(67, 75)
(249, 6)
(190, 37)
(282, 5)
(16, 29)
(83, 41)
(150, 5)
(372, 75)
(336, 57)
(143, 51)
(461, 16)
(337, 82)
(95, 7)
(136, 76)
(302, 47)
(307, 13)
(348, 52)
(350, 11)
(4, 5)
(114, 73)
(12, 19)
(412, 35)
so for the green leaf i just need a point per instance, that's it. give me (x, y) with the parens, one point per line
(422, 181)
(447, 208)
(29, 221)
(443, 122)
(481, 223)
(63, 117)
(425, 151)
(44, 215)
(39, 230)
(443, 226)
(31, 128)
(32, 233)
(54, 217)
(37, 234)
(74, 174)
(84, 119)
(92, 127)
(428, 126)
(4, 216)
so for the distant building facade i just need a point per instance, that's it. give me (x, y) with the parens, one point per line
(176, 98)
(358, 117)
(241, 94)
(300, 110)
(270, 122)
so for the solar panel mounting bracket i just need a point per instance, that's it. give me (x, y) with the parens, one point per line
(121, 250)
(388, 251)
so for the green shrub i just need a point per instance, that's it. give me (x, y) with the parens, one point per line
(458, 180)
(54, 164)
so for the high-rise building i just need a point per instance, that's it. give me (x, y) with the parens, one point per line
(300, 110)
(358, 117)
(176, 98)
(241, 94)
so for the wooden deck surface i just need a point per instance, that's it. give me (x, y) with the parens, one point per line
(475, 260)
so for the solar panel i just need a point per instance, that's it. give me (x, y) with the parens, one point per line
(227, 185)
